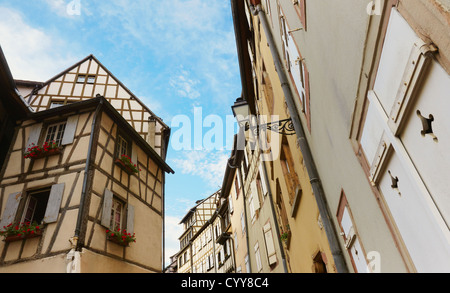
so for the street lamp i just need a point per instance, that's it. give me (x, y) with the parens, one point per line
(241, 111)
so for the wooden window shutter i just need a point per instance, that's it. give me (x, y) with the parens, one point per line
(262, 174)
(69, 132)
(270, 246)
(54, 203)
(107, 206)
(134, 156)
(35, 133)
(255, 196)
(11, 209)
(130, 219)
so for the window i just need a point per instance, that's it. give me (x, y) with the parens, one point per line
(300, 8)
(270, 245)
(295, 65)
(116, 214)
(63, 133)
(267, 89)
(41, 206)
(122, 146)
(243, 223)
(55, 132)
(282, 214)
(247, 264)
(290, 176)
(82, 78)
(319, 265)
(35, 206)
(348, 229)
(257, 257)
(253, 200)
(58, 103)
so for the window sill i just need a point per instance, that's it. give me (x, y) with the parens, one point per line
(117, 241)
(49, 153)
(124, 167)
(15, 238)
(287, 239)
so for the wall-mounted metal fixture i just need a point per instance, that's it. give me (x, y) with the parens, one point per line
(295, 30)
(242, 113)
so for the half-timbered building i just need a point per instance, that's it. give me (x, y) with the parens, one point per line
(198, 233)
(82, 184)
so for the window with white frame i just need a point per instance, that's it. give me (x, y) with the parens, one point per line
(295, 65)
(116, 214)
(55, 132)
(122, 146)
(257, 257)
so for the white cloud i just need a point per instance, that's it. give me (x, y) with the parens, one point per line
(172, 231)
(184, 85)
(207, 164)
(32, 53)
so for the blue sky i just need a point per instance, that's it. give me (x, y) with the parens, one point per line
(174, 55)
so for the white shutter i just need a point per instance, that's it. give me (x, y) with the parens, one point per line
(11, 209)
(107, 206)
(424, 239)
(54, 203)
(398, 43)
(69, 131)
(262, 175)
(430, 152)
(256, 203)
(230, 204)
(35, 133)
(270, 246)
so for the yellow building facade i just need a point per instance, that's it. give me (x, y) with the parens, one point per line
(299, 223)
(94, 180)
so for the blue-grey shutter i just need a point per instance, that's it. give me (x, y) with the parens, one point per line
(35, 133)
(11, 209)
(69, 132)
(54, 203)
(107, 206)
(130, 219)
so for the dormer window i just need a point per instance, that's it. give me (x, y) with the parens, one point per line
(82, 78)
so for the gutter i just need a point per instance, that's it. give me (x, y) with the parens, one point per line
(304, 147)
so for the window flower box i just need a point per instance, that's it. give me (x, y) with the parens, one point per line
(286, 238)
(49, 148)
(119, 237)
(26, 230)
(125, 163)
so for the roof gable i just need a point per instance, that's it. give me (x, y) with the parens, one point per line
(87, 79)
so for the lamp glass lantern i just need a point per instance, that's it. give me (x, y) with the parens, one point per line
(241, 112)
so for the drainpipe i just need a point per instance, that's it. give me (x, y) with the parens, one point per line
(306, 151)
(86, 175)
